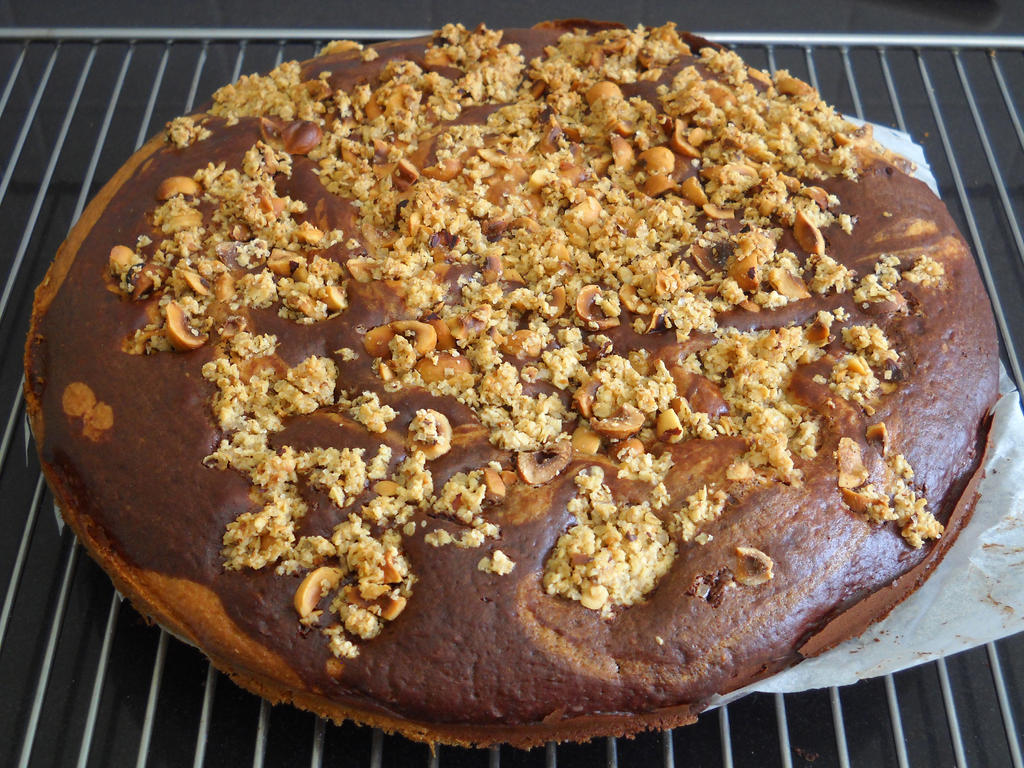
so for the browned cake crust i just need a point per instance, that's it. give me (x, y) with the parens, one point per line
(679, 379)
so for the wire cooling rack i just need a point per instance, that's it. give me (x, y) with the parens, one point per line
(84, 681)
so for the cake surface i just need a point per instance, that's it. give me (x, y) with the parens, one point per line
(513, 386)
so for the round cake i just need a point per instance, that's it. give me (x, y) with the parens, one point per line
(508, 386)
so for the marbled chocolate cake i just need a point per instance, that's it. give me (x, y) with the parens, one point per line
(513, 386)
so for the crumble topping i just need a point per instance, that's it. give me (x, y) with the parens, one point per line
(613, 555)
(563, 246)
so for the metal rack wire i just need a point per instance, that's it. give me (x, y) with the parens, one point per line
(86, 682)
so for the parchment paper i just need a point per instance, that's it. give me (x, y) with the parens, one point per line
(976, 594)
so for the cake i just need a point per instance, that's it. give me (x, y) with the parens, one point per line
(509, 386)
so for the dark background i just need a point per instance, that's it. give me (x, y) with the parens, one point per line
(936, 16)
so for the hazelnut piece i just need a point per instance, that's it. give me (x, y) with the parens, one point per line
(537, 467)
(557, 303)
(195, 282)
(587, 212)
(622, 153)
(818, 195)
(181, 336)
(789, 285)
(679, 143)
(406, 173)
(583, 398)
(494, 484)
(818, 332)
(807, 235)
(623, 424)
(377, 339)
(121, 257)
(717, 212)
(224, 286)
(284, 263)
(425, 335)
(878, 432)
(312, 589)
(629, 297)
(658, 161)
(589, 312)
(386, 488)
(753, 567)
(693, 191)
(391, 606)
(668, 427)
(445, 170)
(523, 344)
(392, 575)
(446, 366)
(430, 432)
(300, 136)
(177, 185)
(627, 449)
(657, 185)
(603, 90)
(791, 86)
(586, 441)
(593, 596)
(852, 472)
(864, 503)
(334, 297)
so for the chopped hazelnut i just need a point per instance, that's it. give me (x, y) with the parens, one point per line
(717, 212)
(182, 337)
(312, 589)
(121, 258)
(224, 287)
(445, 367)
(878, 432)
(445, 170)
(430, 432)
(558, 302)
(425, 336)
(284, 263)
(626, 422)
(195, 282)
(594, 596)
(583, 397)
(537, 467)
(789, 285)
(586, 440)
(603, 90)
(386, 488)
(177, 185)
(525, 343)
(679, 143)
(807, 235)
(622, 153)
(693, 191)
(377, 339)
(852, 472)
(299, 137)
(753, 567)
(588, 310)
(790, 85)
(658, 161)
(333, 297)
(657, 185)
(494, 484)
(668, 427)
(391, 607)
